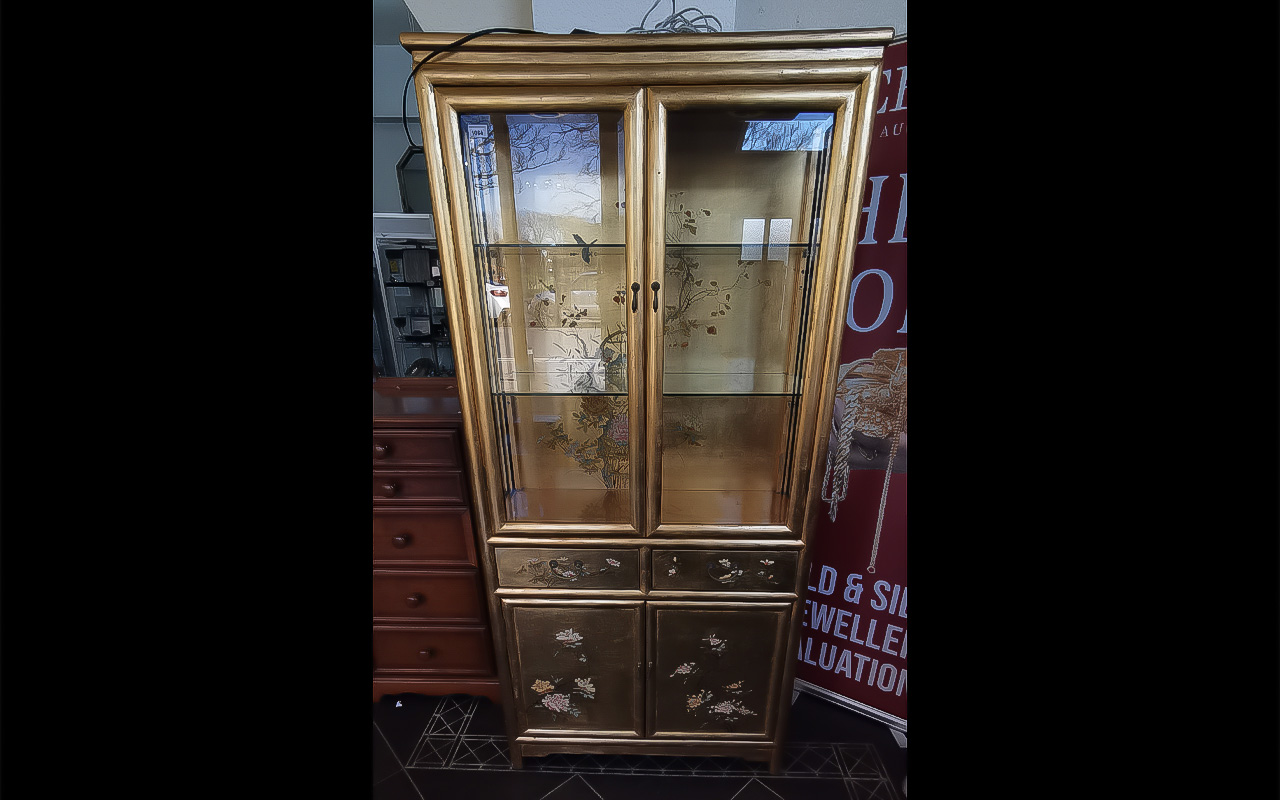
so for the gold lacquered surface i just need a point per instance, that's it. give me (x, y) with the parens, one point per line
(558, 428)
(709, 676)
(577, 667)
(567, 568)
(708, 464)
(724, 570)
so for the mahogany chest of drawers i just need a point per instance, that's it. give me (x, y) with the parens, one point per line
(430, 623)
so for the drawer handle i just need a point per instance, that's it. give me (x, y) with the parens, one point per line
(401, 541)
(427, 653)
(381, 450)
(389, 489)
(414, 600)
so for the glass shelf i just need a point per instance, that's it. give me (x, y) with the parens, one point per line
(527, 246)
(571, 381)
(728, 384)
(739, 245)
(669, 245)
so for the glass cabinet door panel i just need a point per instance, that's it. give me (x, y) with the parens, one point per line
(575, 667)
(709, 677)
(743, 196)
(548, 237)
(569, 456)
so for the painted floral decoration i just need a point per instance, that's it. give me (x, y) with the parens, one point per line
(722, 704)
(557, 700)
(687, 286)
(569, 640)
(560, 703)
(605, 449)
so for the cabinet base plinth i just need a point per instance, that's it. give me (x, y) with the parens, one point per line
(748, 751)
(436, 687)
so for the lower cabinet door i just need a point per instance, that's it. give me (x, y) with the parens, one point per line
(716, 668)
(576, 666)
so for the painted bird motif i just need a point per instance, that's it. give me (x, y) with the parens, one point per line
(577, 571)
(586, 248)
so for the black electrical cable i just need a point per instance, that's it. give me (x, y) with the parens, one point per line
(404, 93)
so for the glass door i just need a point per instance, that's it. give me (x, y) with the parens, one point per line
(741, 184)
(548, 251)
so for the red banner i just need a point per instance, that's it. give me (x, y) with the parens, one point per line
(853, 646)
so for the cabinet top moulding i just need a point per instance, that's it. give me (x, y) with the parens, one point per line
(423, 43)
(675, 59)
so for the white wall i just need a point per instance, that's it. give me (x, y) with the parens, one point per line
(615, 16)
(800, 15)
(392, 63)
(465, 16)
(562, 16)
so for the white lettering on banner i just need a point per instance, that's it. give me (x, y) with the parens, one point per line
(852, 589)
(872, 210)
(902, 90)
(822, 616)
(885, 677)
(826, 586)
(885, 302)
(884, 637)
(899, 128)
(900, 227)
(880, 603)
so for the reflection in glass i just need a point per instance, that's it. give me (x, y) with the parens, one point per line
(546, 192)
(568, 457)
(743, 201)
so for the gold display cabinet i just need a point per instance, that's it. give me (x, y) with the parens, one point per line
(647, 244)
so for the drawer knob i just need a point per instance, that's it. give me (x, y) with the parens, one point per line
(381, 450)
(389, 489)
(414, 600)
(427, 653)
(401, 541)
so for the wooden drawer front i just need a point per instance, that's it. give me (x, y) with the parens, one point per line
(418, 487)
(423, 536)
(428, 595)
(432, 649)
(568, 568)
(440, 449)
(724, 570)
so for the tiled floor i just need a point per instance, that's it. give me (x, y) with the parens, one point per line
(444, 747)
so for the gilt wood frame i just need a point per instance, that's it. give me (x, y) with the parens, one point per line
(645, 76)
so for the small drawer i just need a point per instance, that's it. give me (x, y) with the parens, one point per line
(568, 568)
(439, 449)
(423, 537)
(418, 487)
(432, 649)
(724, 570)
(428, 595)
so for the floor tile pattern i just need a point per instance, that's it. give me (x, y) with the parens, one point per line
(459, 748)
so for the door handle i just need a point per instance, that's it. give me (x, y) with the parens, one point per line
(655, 286)
(635, 297)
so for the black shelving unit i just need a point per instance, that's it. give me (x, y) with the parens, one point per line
(411, 331)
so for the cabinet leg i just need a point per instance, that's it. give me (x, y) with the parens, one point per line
(517, 758)
(775, 763)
